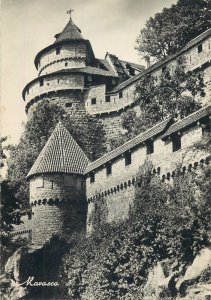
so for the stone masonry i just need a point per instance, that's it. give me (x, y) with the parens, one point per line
(63, 182)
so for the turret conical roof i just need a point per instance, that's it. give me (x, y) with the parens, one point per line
(61, 154)
(70, 32)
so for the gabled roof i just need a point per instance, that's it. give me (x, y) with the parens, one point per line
(152, 132)
(183, 123)
(70, 32)
(163, 62)
(61, 154)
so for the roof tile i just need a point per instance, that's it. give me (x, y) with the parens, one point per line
(194, 117)
(70, 32)
(61, 154)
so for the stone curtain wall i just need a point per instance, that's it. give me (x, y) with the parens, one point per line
(117, 189)
(195, 60)
(116, 205)
(115, 103)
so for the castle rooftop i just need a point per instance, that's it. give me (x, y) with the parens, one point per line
(140, 138)
(70, 32)
(163, 62)
(187, 121)
(61, 154)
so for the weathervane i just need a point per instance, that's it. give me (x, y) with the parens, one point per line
(69, 12)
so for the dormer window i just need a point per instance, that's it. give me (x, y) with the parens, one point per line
(92, 177)
(58, 50)
(41, 82)
(200, 48)
(120, 94)
(150, 147)
(176, 142)
(128, 159)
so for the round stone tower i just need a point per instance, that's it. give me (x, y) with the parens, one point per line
(62, 72)
(70, 75)
(57, 188)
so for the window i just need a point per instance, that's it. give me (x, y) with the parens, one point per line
(176, 142)
(40, 182)
(29, 215)
(51, 184)
(114, 81)
(66, 64)
(163, 69)
(150, 147)
(89, 78)
(108, 169)
(93, 101)
(92, 177)
(58, 51)
(131, 72)
(120, 94)
(200, 48)
(68, 181)
(108, 99)
(82, 184)
(41, 82)
(206, 128)
(68, 104)
(127, 158)
(58, 80)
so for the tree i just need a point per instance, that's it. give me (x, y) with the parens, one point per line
(174, 93)
(88, 133)
(167, 32)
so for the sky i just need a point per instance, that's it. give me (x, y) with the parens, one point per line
(27, 26)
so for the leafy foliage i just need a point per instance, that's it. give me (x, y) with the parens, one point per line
(9, 216)
(87, 132)
(167, 32)
(165, 222)
(173, 93)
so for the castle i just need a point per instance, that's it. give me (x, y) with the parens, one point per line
(64, 184)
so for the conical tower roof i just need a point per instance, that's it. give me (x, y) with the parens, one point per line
(70, 32)
(61, 154)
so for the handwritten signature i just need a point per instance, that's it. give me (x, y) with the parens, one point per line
(30, 282)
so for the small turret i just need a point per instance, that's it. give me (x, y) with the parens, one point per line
(57, 188)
